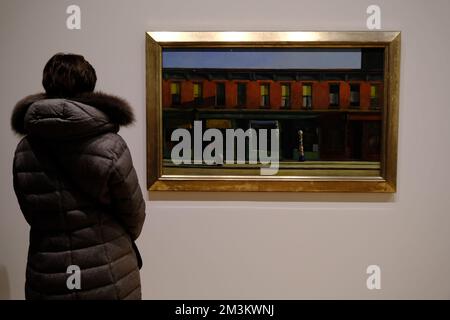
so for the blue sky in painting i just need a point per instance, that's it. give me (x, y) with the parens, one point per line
(263, 58)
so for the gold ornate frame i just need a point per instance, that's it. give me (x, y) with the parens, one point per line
(386, 182)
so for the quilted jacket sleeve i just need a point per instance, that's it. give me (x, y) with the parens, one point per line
(127, 202)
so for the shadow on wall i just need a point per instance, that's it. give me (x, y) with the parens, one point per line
(272, 196)
(5, 292)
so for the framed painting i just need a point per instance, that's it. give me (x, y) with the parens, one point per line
(272, 111)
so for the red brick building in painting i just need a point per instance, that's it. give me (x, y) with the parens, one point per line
(339, 111)
(200, 89)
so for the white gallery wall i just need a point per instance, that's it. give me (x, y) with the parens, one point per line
(255, 245)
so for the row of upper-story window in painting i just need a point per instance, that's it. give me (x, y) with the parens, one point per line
(221, 92)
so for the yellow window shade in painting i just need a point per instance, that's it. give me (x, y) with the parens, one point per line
(174, 88)
(284, 90)
(197, 90)
(373, 91)
(307, 90)
(264, 90)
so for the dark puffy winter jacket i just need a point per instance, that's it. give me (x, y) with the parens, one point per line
(77, 188)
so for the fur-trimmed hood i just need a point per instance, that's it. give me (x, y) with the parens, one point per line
(77, 116)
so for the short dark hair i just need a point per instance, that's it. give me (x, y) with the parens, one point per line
(66, 75)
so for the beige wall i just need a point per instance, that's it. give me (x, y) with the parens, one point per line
(234, 245)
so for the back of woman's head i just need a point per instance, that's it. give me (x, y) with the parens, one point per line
(67, 75)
